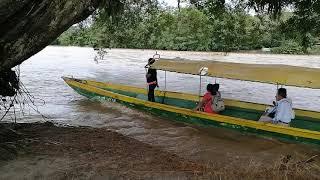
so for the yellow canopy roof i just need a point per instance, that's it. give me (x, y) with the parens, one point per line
(265, 73)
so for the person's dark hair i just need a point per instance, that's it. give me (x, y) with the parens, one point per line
(282, 92)
(151, 61)
(211, 89)
(216, 87)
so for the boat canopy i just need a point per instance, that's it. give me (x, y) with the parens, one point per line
(265, 73)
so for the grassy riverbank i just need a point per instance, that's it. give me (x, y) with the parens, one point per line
(40, 151)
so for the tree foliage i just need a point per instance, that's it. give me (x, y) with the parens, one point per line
(204, 25)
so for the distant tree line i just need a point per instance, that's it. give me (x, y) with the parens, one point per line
(208, 25)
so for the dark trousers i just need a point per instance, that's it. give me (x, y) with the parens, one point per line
(151, 92)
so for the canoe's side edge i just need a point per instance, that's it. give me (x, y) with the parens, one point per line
(196, 120)
(300, 113)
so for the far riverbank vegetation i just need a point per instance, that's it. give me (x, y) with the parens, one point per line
(208, 25)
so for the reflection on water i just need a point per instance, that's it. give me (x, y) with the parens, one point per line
(42, 76)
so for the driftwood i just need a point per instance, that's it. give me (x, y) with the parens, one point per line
(285, 162)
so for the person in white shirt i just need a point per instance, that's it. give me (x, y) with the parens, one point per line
(282, 112)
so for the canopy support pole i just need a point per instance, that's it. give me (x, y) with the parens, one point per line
(277, 91)
(165, 80)
(147, 86)
(165, 86)
(200, 88)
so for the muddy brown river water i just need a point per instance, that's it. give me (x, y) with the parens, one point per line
(42, 73)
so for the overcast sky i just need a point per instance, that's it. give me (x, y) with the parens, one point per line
(173, 3)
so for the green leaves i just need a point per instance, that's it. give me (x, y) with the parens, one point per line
(288, 47)
(206, 25)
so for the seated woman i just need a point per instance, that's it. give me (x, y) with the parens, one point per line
(206, 103)
(282, 112)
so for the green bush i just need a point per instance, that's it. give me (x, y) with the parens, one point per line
(315, 50)
(288, 47)
(190, 29)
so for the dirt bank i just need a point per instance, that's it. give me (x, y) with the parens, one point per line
(42, 151)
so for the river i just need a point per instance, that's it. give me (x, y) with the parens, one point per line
(41, 75)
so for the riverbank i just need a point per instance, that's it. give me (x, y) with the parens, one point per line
(315, 51)
(45, 150)
(42, 150)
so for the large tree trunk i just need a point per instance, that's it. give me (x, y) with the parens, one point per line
(28, 26)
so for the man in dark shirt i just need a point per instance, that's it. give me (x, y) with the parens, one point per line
(151, 80)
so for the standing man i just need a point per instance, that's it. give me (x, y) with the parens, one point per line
(151, 80)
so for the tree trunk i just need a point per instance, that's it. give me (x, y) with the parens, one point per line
(28, 26)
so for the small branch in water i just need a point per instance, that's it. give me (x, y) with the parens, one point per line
(100, 54)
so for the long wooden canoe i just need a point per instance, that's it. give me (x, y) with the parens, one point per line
(239, 115)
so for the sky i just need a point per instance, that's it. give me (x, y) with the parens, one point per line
(173, 3)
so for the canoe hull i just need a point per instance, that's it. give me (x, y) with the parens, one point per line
(158, 110)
